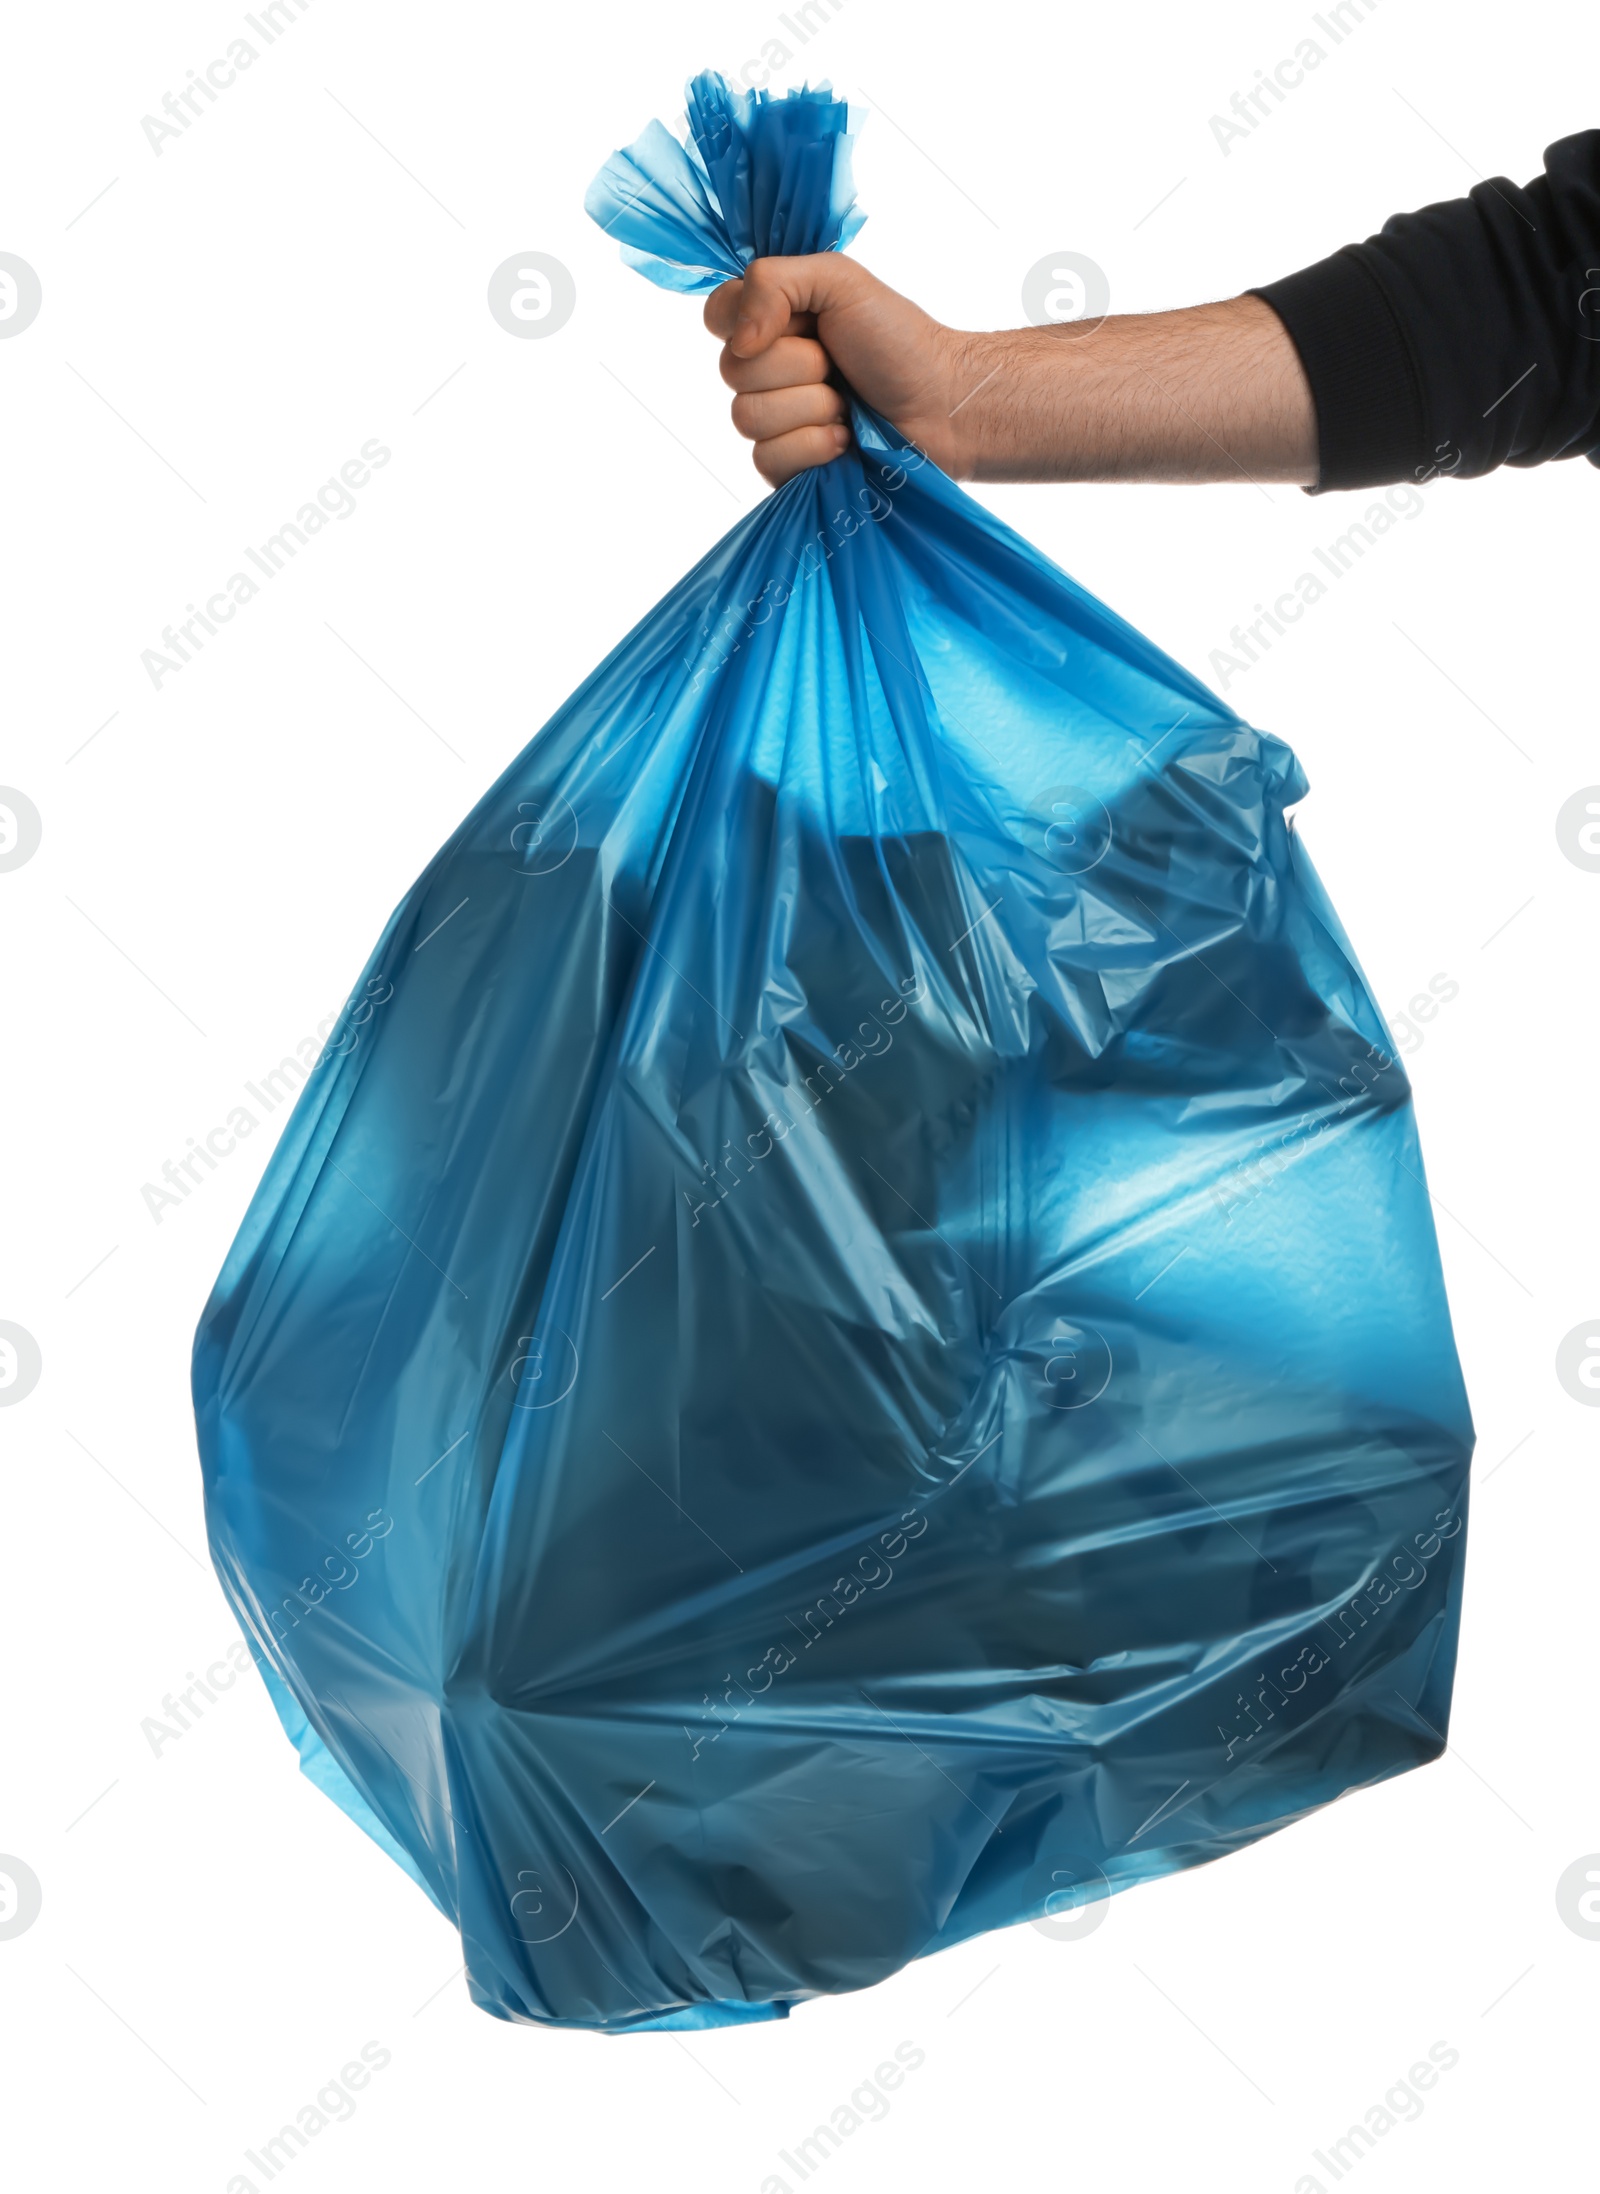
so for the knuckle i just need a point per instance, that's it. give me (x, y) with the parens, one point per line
(804, 359)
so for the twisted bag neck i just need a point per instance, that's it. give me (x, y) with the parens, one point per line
(760, 177)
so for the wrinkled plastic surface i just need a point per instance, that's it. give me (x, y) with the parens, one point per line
(845, 1345)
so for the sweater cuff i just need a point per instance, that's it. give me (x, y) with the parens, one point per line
(1370, 424)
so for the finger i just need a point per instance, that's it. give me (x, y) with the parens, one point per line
(774, 290)
(786, 454)
(793, 361)
(722, 311)
(774, 412)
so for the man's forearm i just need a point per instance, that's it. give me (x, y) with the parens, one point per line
(1214, 392)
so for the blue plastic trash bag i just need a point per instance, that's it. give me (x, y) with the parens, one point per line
(845, 1345)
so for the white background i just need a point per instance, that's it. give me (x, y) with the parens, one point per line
(222, 328)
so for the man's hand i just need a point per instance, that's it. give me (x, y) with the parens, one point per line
(790, 322)
(1215, 392)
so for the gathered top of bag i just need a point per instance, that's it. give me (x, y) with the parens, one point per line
(760, 177)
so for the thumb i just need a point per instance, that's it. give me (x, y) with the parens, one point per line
(774, 291)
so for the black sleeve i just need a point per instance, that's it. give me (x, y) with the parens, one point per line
(1461, 337)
